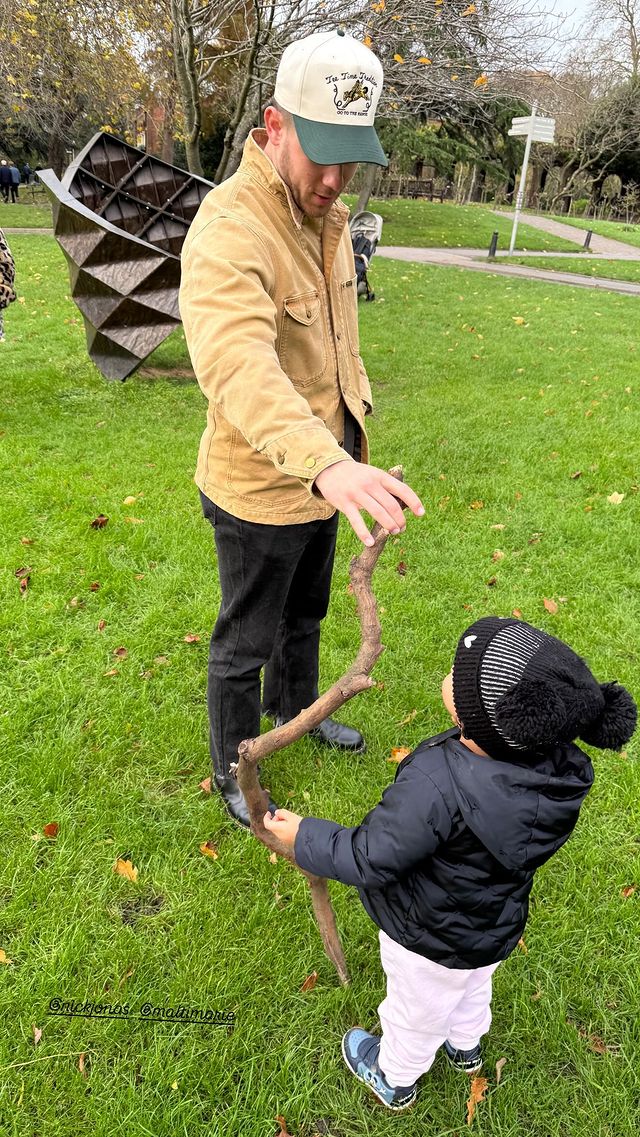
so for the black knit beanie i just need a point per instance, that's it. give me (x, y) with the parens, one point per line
(518, 690)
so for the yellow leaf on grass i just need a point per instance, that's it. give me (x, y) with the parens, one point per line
(615, 498)
(125, 868)
(518, 319)
(398, 58)
(479, 1087)
(550, 605)
(500, 1065)
(481, 81)
(130, 499)
(398, 753)
(209, 850)
(310, 982)
(367, 41)
(423, 59)
(470, 10)
(4, 958)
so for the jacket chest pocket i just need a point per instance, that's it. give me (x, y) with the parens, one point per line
(349, 300)
(302, 349)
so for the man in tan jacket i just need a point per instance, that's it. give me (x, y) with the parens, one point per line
(269, 305)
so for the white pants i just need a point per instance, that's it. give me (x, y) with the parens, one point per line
(425, 1004)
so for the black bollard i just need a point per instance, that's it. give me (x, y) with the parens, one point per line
(494, 244)
(587, 240)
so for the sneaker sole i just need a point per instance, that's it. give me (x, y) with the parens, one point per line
(391, 1108)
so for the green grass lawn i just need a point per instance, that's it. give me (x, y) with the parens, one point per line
(618, 230)
(427, 224)
(585, 266)
(515, 434)
(25, 216)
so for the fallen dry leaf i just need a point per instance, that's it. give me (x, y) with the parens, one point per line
(477, 505)
(26, 540)
(99, 522)
(138, 576)
(51, 830)
(517, 614)
(209, 850)
(273, 858)
(401, 568)
(37, 1034)
(310, 982)
(284, 1132)
(19, 572)
(479, 1087)
(205, 785)
(491, 581)
(135, 520)
(576, 474)
(500, 1065)
(628, 891)
(94, 586)
(125, 868)
(120, 652)
(130, 499)
(497, 526)
(161, 660)
(498, 555)
(615, 498)
(536, 995)
(523, 947)
(191, 639)
(23, 584)
(518, 319)
(4, 958)
(398, 753)
(111, 672)
(81, 1064)
(550, 605)
(408, 718)
(102, 625)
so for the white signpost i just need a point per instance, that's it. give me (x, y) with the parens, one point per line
(536, 130)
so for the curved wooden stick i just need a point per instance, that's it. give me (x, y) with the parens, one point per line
(357, 678)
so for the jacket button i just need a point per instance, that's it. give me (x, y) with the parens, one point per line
(281, 459)
(337, 335)
(310, 462)
(308, 313)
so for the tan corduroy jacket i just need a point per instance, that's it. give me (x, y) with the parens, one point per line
(274, 345)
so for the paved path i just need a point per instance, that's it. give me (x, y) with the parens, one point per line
(605, 246)
(23, 232)
(466, 258)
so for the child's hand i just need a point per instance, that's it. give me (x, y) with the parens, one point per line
(283, 824)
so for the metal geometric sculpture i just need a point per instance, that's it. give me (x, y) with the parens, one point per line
(120, 217)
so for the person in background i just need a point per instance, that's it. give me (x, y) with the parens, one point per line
(26, 173)
(14, 186)
(5, 179)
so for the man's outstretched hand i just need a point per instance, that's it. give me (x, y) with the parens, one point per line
(352, 486)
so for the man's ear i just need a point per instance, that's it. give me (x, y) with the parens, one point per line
(274, 125)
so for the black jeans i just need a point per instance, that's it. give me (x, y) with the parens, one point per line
(275, 582)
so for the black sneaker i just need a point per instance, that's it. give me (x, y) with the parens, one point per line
(360, 1051)
(469, 1061)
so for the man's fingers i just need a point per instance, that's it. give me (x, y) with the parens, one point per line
(384, 509)
(357, 524)
(404, 492)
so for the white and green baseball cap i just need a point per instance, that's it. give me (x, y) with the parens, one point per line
(331, 84)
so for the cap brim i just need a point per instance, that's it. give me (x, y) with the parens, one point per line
(328, 143)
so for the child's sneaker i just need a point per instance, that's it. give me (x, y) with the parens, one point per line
(360, 1051)
(470, 1061)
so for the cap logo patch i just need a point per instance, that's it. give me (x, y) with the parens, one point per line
(349, 88)
(468, 640)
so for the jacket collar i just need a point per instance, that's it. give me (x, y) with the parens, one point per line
(260, 167)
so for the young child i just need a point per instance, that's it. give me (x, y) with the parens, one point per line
(444, 864)
(7, 277)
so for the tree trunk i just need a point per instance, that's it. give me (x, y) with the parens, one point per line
(184, 55)
(223, 170)
(368, 184)
(240, 136)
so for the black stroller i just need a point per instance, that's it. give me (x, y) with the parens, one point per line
(366, 231)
